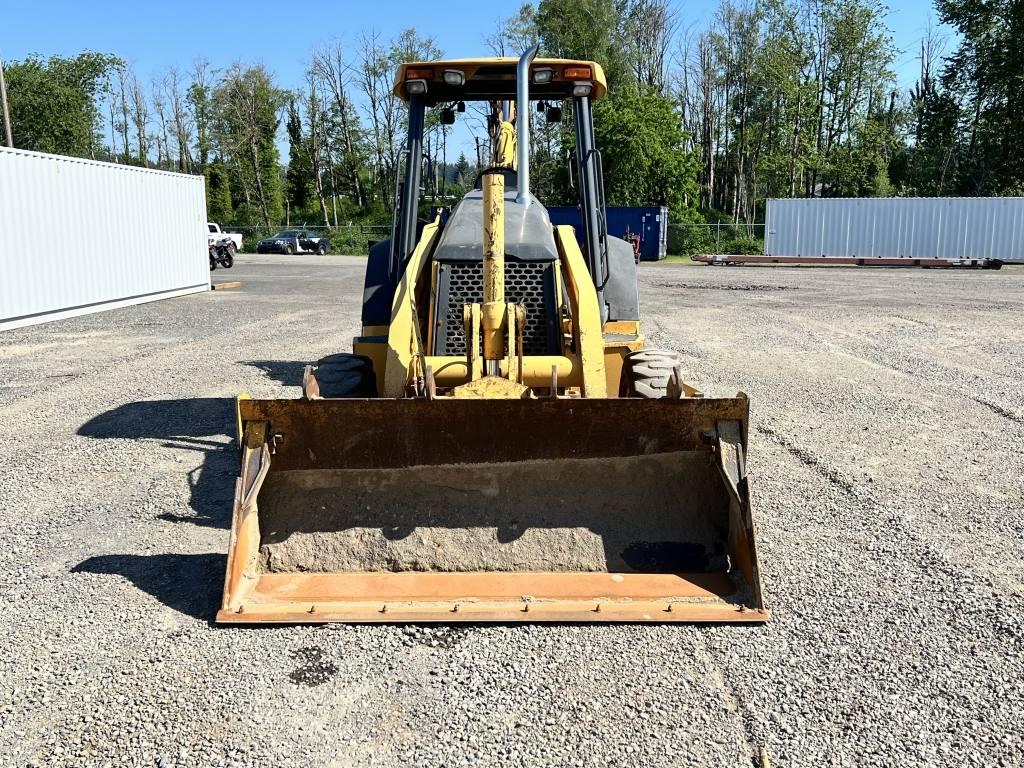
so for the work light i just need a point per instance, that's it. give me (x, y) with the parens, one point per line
(543, 75)
(415, 87)
(454, 77)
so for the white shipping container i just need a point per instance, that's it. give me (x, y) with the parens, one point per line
(80, 236)
(948, 228)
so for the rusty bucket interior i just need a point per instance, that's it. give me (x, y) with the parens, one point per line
(492, 510)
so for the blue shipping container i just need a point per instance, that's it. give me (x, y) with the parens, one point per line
(649, 222)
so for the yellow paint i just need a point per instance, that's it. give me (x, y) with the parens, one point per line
(238, 414)
(493, 310)
(616, 349)
(402, 332)
(536, 372)
(515, 322)
(586, 313)
(614, 356)
(471, 324)
(506, 156)
(377, 351)
(623, 326)
(432, 309)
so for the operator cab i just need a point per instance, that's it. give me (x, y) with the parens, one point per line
(530, 240)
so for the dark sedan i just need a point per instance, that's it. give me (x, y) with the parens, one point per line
(294, 241)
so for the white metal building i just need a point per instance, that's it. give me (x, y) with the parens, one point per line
(948, 229)
(79, 236)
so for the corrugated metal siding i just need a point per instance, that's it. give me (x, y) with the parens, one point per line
(899, 227)
(77, 236)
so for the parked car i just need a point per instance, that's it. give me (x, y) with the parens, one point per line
(214, 234)
(294, 241)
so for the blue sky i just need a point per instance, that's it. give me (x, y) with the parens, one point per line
(153, 35)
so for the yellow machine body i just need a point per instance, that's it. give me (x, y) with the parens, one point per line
(494, 485)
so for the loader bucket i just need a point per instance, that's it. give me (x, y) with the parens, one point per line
(492, 510)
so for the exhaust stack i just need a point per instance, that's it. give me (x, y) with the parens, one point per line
(523, 123)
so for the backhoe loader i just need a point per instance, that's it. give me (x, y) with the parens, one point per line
(500, 445)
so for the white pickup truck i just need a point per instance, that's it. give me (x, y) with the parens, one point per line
(216, 234)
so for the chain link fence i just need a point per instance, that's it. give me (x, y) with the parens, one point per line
(352, 239)
(721, 237)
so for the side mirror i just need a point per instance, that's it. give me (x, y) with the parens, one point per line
(447, 116)
(554, 114)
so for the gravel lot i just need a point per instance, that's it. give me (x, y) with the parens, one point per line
(888, 421)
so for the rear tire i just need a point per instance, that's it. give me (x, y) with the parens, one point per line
(646, 373)
(346, 375)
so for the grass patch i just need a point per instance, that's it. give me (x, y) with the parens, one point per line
(680, 259)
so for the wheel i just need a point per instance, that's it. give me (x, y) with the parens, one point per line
(646, 373)
(290, 249)
(321, 250)
(213, 263)
(346, 375)
(227, 260)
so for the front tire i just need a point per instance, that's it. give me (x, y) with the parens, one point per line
(647, 373)
(290, 249)
(321, 250)
(227, 261)
(345, 375)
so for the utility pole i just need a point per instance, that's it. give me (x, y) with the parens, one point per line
(3, 101)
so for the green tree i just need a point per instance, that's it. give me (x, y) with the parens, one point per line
(463, 171)
(515, 33)
(245, 131)
(984, 77)
(643, 150)
(219, 205)
(299, 172)
(385, 112)
(54, 103)
(586, 29)
(346, 139)
(198, 97)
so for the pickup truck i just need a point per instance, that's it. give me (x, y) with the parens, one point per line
(216, 234)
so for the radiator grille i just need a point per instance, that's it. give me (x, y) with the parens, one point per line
(526, 283)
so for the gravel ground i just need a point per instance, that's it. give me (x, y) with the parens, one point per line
(888, 417)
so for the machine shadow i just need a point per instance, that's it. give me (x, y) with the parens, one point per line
(286, 372)
(189, 424)
(190, 584)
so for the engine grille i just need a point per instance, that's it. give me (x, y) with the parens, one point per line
(530, 283)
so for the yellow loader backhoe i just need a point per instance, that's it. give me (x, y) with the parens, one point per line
(501, 445)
